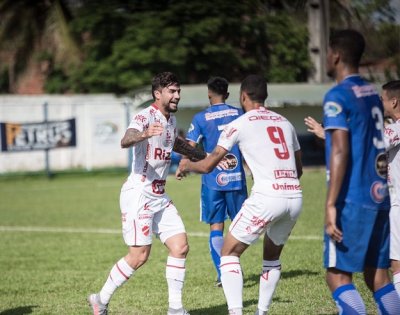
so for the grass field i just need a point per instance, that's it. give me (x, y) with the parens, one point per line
(60, 237)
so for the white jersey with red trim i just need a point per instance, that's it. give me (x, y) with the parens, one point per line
(151, 157)
(392, 142)
(267, 141)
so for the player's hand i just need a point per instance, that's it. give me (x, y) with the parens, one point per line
(154, 129)
(181, 170)
(223, 164)
(315, 127)
(330, 224)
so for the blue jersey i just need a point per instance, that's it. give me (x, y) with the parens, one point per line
(354, 105)
(206, 127)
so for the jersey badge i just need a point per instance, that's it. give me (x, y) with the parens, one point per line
(378, 191)
(332, 109)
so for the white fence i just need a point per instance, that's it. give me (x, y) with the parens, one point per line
(101, 121)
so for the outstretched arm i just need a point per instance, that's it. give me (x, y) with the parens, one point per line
(204, 166)
(192, 153)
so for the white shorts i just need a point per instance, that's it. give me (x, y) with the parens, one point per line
(264, 214)
(395, 232)
(143, 216)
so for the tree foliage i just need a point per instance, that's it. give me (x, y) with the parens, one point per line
(126, 43)
(122, 44)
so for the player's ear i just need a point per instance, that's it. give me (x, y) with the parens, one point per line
(226, 95)
(157, 94)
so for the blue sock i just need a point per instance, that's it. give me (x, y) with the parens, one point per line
(348, 300)
(387, 300)
(216, 241)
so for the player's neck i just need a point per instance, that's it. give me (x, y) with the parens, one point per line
(344, 71)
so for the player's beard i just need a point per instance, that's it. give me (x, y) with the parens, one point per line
(171, 109)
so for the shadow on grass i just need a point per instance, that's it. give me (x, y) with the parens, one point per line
(19, 310)
(220, 309)
(253, 279)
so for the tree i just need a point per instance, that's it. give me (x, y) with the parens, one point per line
(129, 42)
(31, 32)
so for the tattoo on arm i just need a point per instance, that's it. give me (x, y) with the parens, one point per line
(183, 147)
(131, 137)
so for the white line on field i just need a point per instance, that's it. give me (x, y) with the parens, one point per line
(44, 229)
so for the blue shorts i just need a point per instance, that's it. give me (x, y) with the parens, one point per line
(217, 205)
(365, 240)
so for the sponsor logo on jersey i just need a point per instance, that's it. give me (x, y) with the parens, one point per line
(381, 165)
(285, 174)
(221, 114)
(158, 186)
(231, 161)
(332, 109)
(146, 207)
(168, 138)
(285, 186)
(224, 179)
(161, 154)
(379, 191)
(267, 117)
(364, 90)
(144, 216)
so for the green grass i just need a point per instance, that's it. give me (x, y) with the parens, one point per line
(53, 272)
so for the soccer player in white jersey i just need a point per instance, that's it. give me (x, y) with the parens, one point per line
(270, 147)
(391, 103)
(145, 207)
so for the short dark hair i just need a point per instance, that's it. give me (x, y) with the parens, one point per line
(350, 44)
(162, 80)
(256, 88)
(392, 88)
(218, 85)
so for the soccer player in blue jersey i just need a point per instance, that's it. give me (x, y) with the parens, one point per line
(357, 204)
(223, 190)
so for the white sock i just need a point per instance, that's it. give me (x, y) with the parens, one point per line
(271, 273)
(396, 282)
(119, 274)
(232, 283)
(175, 274)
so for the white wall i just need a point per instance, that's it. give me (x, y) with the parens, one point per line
(100, 123)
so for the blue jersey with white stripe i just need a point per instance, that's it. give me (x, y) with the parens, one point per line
(206, 127)
(354, 105)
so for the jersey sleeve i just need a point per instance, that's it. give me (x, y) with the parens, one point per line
(335, 116)
(139, 122)
(392, 136)
(229, 135)
(194, 132)
(296, 144)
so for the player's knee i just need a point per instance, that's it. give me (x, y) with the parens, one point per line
(179, 250)
(137, 258)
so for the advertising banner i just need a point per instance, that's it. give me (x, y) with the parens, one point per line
(18, 137)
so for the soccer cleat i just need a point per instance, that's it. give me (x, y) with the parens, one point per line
(218, 283)
(181, 311)
(96, 305)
